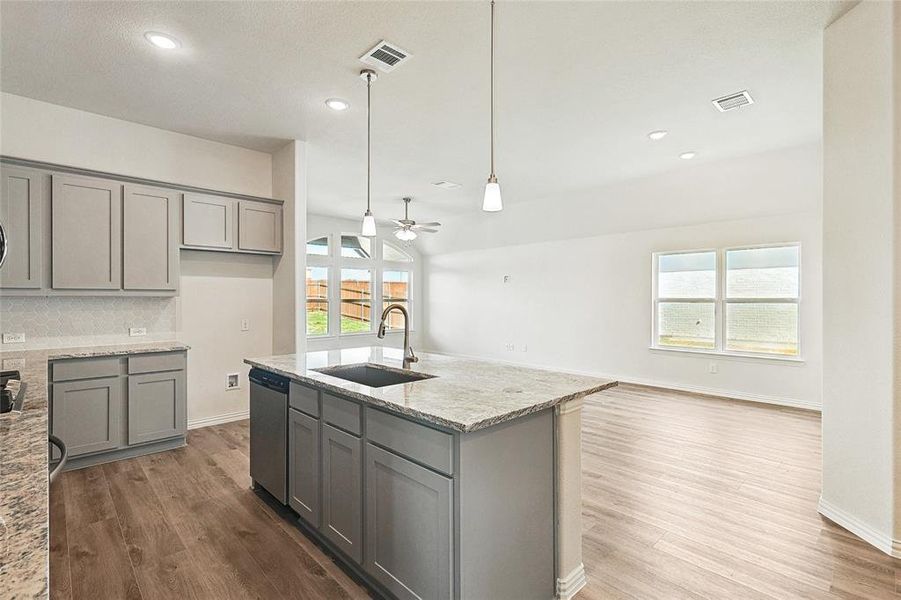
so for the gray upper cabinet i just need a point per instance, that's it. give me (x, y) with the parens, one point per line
(86, 233)
(21, 215)
(149, 238)
(87, 414)
(157, 406)
(209, 221)
(259, 226)
(408, 527)
(342, 473)
(303, 465)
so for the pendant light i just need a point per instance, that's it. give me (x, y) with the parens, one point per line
(368, 229)
(492, 201)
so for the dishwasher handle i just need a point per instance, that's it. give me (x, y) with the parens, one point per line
(269, 380)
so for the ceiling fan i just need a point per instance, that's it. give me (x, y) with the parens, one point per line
(407, 229)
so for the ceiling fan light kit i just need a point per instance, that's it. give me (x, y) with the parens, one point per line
(407, 228)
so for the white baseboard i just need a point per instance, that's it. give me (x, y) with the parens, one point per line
(570, 585)
(732, 395)
(219, 419)
(862, 530)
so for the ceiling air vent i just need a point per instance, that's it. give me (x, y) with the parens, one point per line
(446, 185)
(733, 101)
(386, 56)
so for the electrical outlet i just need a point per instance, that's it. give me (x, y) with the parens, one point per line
(11, 364)
(13, 338)
(233, 381)
(508, 347)
(713, 368)
(137, 331)
(506, 279)
(245, 325)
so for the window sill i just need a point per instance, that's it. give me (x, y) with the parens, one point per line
(796, 360)
(354, 334)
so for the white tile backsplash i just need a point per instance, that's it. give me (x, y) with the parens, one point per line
(57, 321)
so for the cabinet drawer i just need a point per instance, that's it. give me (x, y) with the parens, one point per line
(341, 413)
(154, 363)
(84, 368)
(422, 444)
(304, 399)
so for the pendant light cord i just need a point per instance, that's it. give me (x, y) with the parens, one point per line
(492, 88)
(368, 138)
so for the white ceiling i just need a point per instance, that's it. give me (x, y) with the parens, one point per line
(579, 85)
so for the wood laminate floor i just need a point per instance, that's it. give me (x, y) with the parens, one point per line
(684, 496)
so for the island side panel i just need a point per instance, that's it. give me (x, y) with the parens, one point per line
(570, 570)
(506, 510)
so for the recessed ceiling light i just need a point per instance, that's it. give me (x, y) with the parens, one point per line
(161, 40)
(688, 155)
(658, 135)
(337, 104)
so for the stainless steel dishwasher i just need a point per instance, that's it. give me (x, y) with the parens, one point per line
(269, 432)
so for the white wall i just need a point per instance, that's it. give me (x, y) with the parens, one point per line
(66, 136)
(584, 305)
(860, 253)
(289, 183)
(217, 290)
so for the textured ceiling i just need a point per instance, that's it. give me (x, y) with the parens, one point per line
(579, 85)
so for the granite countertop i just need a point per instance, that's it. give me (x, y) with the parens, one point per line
(465, 394)
(24, 493)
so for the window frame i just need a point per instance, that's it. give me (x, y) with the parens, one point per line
(721, 302)
(376, 265)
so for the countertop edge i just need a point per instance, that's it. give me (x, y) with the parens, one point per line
(429, 418)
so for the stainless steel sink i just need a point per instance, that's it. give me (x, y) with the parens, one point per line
(372, 375)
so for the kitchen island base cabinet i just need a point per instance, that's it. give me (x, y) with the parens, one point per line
(342, 493)
(408, 527)
(303, 465)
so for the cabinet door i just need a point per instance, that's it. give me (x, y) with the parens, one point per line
(157, 406)
(86, 414)
(21, 216)
(408, 526)
(303, 465)
(342, 510)
(86, 217)
(209, 221)
(149, 239)
(259, 226)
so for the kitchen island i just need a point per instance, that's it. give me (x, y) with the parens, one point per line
(457, 479)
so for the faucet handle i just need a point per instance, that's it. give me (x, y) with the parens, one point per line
(412, 357)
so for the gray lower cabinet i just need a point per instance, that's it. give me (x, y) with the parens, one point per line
(342, 506)
(408, 527)
(157, 406)
(303, 466)
(87, 414)
(86, 233)
(149, 238)
(22, 216)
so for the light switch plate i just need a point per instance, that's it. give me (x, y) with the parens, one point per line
(13, 338)
(136, 331)
(245, 324)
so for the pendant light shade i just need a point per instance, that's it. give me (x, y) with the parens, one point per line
(368, 228)
(492, 200)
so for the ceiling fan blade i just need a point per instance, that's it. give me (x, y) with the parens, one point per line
(426, 230)
(432, 224)
(396, 222)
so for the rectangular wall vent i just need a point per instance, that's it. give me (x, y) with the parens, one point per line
(386, 56)
(733, 101)
(446, 185)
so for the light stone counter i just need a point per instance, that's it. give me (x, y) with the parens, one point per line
(24, 489)
(465, 395)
